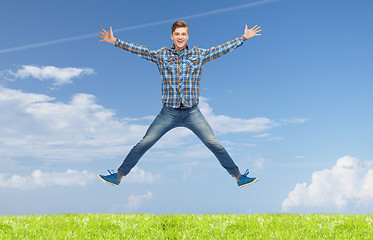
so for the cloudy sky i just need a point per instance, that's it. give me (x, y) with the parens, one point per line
(293, 106)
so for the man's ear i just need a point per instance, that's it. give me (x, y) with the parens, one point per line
(172, 37)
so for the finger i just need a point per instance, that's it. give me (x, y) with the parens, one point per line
(111, 30)
(245, 26)
(258, 34)
(104, 30)
(259, 30)
(102, 33)
(254, 27)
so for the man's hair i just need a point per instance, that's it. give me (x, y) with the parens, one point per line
(179, 24)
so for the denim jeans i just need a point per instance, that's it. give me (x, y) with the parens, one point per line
(170, 118)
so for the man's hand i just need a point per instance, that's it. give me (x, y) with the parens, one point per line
(249, 33)
(107, 36)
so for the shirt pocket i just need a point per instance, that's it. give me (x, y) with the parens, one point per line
(192, 64)
(168, 63)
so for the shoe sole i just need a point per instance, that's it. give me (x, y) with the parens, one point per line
(250, 183)
(106, 181)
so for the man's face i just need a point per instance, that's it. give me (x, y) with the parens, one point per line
(180, 37)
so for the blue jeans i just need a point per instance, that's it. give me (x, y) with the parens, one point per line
(170, 118)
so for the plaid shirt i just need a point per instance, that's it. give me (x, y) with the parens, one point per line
(181, 71)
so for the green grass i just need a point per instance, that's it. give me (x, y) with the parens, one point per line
(185, 226)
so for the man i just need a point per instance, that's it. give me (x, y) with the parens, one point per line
(180, 68)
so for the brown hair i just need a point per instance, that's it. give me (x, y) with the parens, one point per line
(179, 24)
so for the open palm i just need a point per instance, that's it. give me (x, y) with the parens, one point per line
(107, 36)
(249, 33)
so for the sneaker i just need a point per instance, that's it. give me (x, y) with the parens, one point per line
(245, 180)
(110, 179)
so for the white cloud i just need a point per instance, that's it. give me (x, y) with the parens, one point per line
(9, 96)
(347, 186)
(267, 136)
(39, 179)
(140, 176)
(257, 161)
(294, 120)
(186, 168)
(226, 124)
(59, 76)
(134, 201)
(36, 125)
(262, 135)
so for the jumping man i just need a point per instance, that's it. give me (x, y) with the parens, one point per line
(180, 68)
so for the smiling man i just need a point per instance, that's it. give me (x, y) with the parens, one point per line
(180, 35)
(180, 68)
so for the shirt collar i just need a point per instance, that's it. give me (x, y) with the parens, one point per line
(174, 51)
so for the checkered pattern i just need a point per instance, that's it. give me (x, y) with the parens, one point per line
(181, 72)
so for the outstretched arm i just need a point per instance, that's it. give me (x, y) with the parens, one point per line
(249, 33)
(107, 36)
(133, 48)
(218, 51)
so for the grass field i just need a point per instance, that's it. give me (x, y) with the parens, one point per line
(185, 226)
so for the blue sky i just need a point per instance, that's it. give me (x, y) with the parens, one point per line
(293, 106)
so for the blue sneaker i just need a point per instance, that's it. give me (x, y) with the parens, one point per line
(245, 180)
(110, 179)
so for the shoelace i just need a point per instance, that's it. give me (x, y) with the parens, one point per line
(246, 172)
(111, 172)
